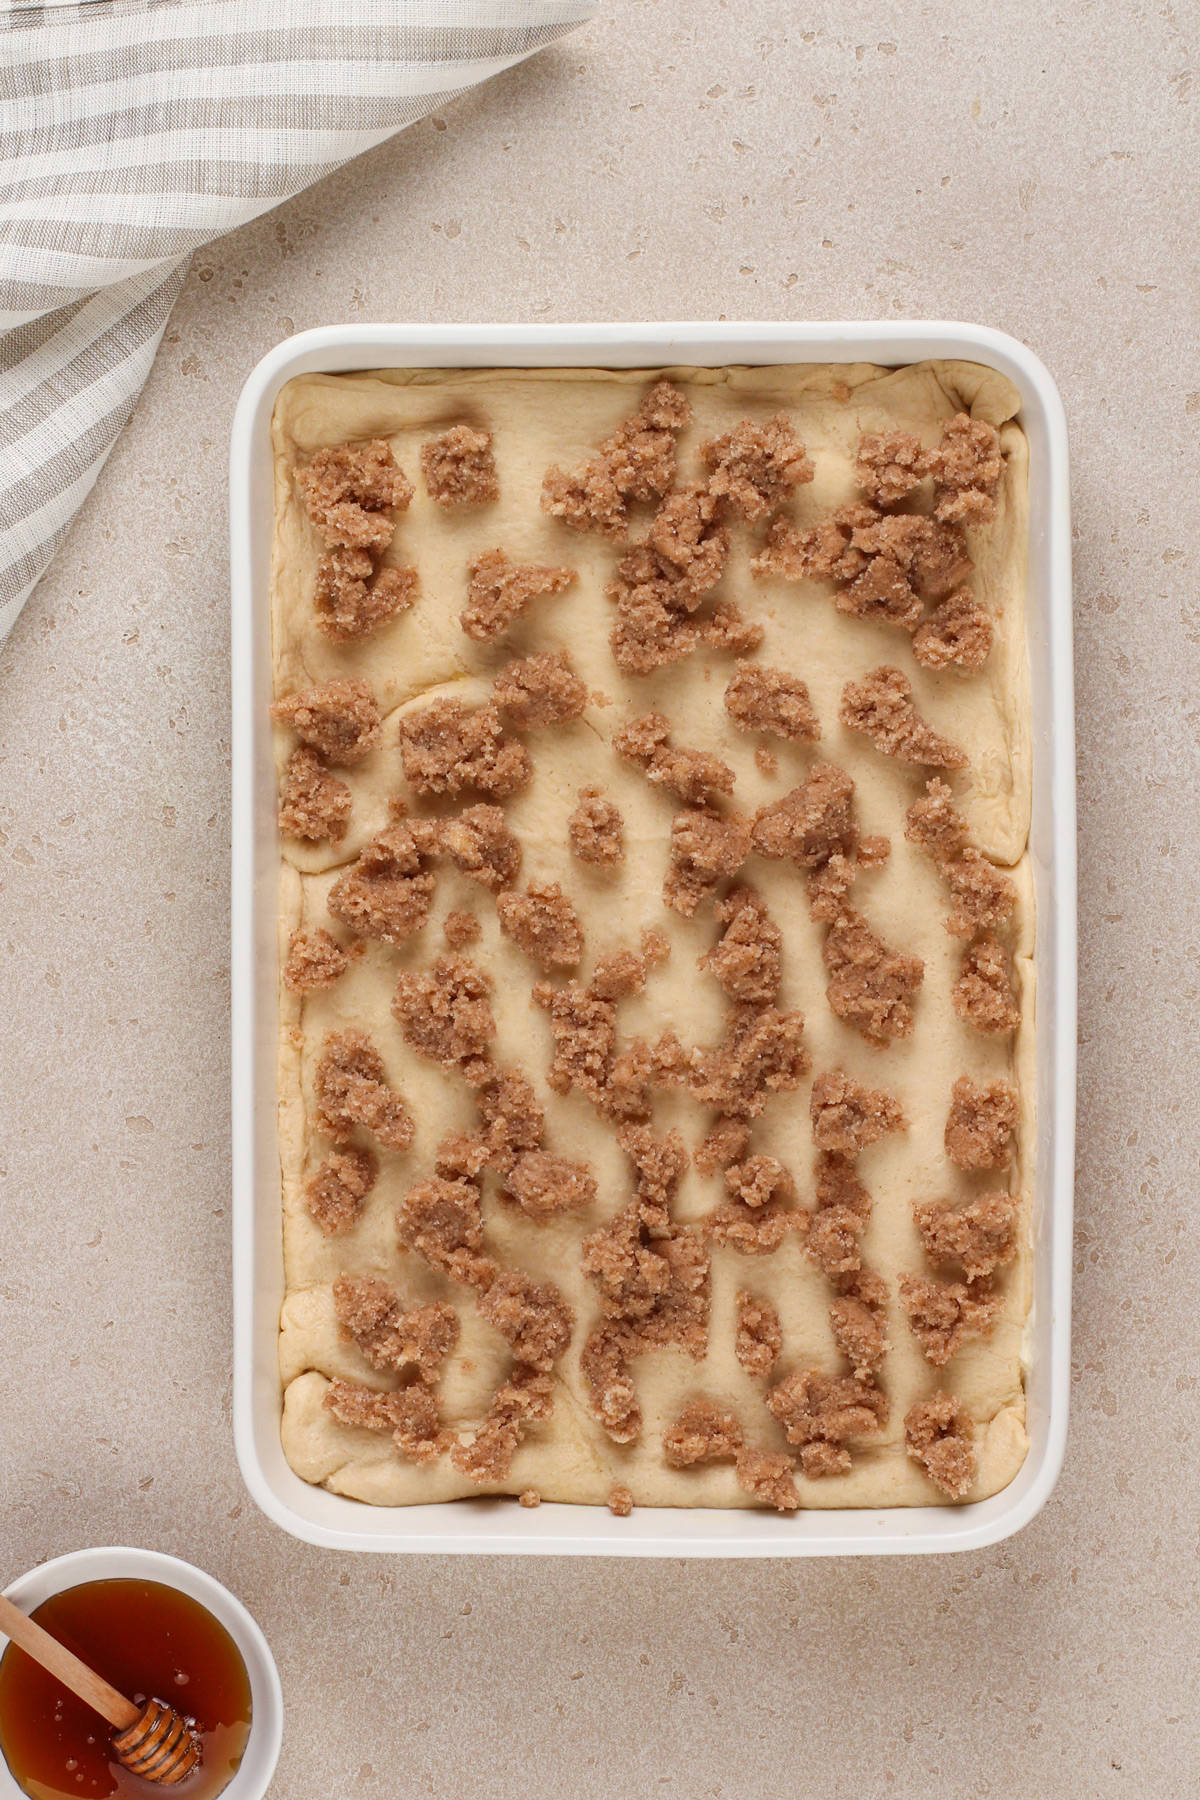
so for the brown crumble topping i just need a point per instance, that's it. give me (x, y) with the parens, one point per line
(983, 994)
(704, 1433)
(870, 986)
(848, 1116)
(350, 1087)
(943, 1314)
(966, 468)
(981, 1124)
(459, 467)
(761, 1211)
(313, 804)
(822, 1414)
(858, 1321)
(620, 1502)
(350, 492)
(881, 706)
(543, 923)
(981, 1237)
(935, 824)
(940, 1435)
(691, 547)
(747, 960)
(526, 1396)
(693, 776)
(838, 1182)
(728, 628)
(833, 1240)
(660, 583)
(618, 975)
(814, 827)
(758, 1342)
(410, 1414)
(482, 846)
(314, 960)
(763, 1053)
(540, 690)
(543, 1185)
(595, 830)
(445, 748)
(334, 1196)
(984, 895)
(584, 1028)
(958, 632)
(532, 1317)
(529, 1498)
(821, 553)
(341, 719)
(635, 462)
(499, 591)
(445, 1012)
(460, 929)
(706, 847)
(440, 1220)
(370, 1315)
(387, 892)
(351, 601)
(766, 760)
(727, 1142)
(756, 466)
(889, 466)
(759, 699)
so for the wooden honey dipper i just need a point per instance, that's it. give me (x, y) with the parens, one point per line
(151, 1741)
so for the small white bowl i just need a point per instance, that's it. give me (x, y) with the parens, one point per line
(266, 1723)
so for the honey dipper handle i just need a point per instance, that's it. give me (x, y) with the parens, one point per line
(66, 1667)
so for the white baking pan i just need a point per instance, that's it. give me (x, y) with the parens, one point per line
(491, 1526)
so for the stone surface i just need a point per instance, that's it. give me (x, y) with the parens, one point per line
(1028, 166)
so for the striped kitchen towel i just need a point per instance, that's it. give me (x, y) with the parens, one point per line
(132, 132)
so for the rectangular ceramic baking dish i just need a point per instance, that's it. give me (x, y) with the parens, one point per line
(491, 1526)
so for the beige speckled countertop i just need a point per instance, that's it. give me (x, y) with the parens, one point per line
(1030, 167)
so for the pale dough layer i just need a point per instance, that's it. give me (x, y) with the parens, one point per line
(542, 417)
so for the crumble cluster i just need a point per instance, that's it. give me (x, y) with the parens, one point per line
(353, 494)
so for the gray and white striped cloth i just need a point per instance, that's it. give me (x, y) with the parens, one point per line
(134, 131)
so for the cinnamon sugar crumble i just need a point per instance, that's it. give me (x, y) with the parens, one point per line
(529, 1497)
(966, 468)
(958, 633)
(758, 1342)
(881, 706)
(756, 466)
(370, 1314)
(761, 1210)
(314, 960)
(481, 844)
(704, 1433)
(725, 1143)
(526, 1396)
(351, 601)
(706, 847)
(981, 1124)
(983, 994)
(814, 827)
(531, 1316)
(440, 1220)
(943, 1314)
(595, 830)
(460, 468)
(540, 690)
(767, 761)
(446, 749)
(543, 1185)
(543, 923)
(859, 1324)
(821, 553)
(350, 1087)
(871, 987)
(341, 719)
(335, 1195)
(848, 1116)
(984, 895)
(824, 1414)
(759, 699)
(889, 466)
(351, 492)
(939, 1434)
(460, 929)
(981, 1237)
(500, 590)
(410, 1414)
(620, 1502)
(635, 462)
(385, 894)
(935, 824)
(747, 961)
(691, 775)
(313, 804)
(445, 1012)
(763, 1053)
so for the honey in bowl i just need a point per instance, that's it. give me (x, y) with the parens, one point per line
(150, 1642)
